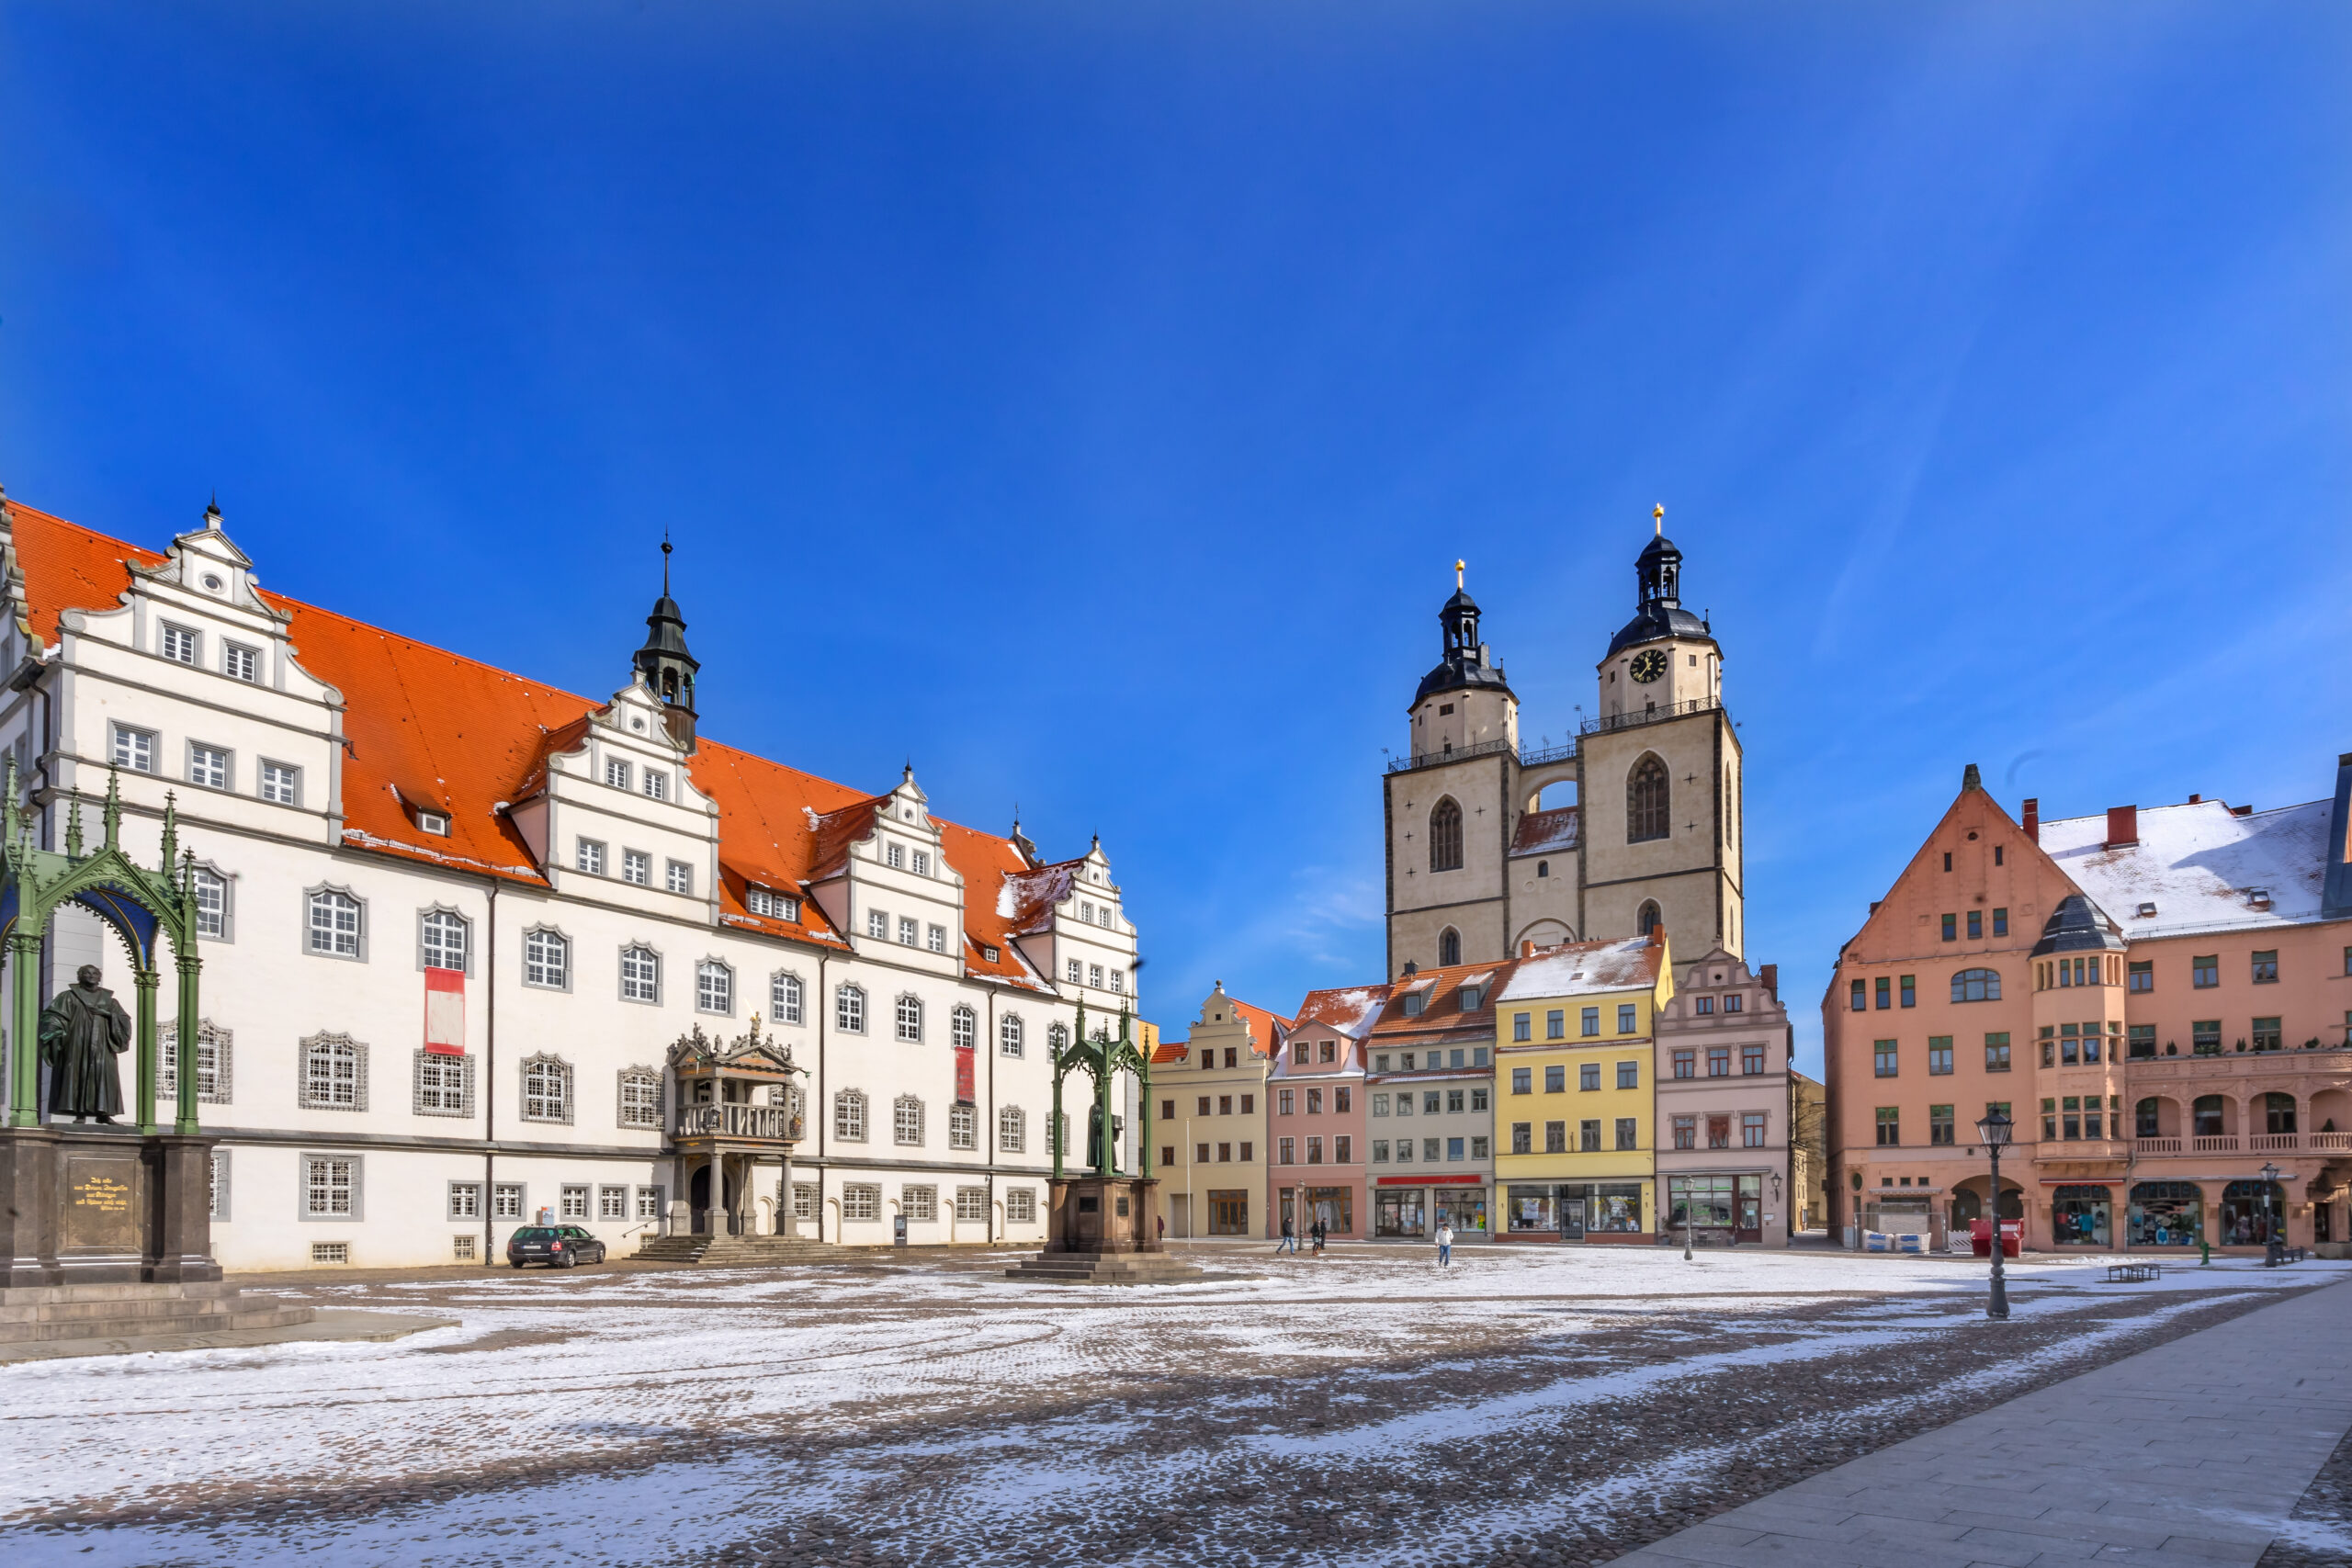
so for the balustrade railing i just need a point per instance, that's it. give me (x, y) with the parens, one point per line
(2160, 1145)
(1647, 715)
(2219, 1145)
(2331, 1140)
(727, 1119)
(2271, 1143)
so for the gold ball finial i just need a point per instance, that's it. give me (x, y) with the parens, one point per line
(1657, 521)
(1457, 574)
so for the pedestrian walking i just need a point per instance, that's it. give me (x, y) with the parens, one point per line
(1289, 1241)
(1444, 1244)
(1318, 1232)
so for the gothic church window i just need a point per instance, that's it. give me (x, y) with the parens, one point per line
(1646, 802)
(1449, 947)
(1646, 921)
(1446, 836)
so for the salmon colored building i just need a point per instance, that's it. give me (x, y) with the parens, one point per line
(2158, 998)
(1315, 1121)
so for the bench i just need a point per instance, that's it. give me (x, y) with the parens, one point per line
(2133, 1273)
(2290, 1255)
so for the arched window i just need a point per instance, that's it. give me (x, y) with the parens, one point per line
(2206, 1117)
(963, 1028)
(963, 1126)
(1008, 1034)
(337, 923)
(546, 959)
(849, 1009)
(1446, 836)
(1727, 806)
(1057, 1037)
(1976, 985)
(641, 975)
(785, 996)
(334, 1073)
(1011, 1127)
(546, 1089)
(714, 986)
(1646, 921)
(212, 903)
(849, 1115)
(1449, 947)
(906, 1119)
(1543, 868)
(911, 1019)
(441, 941)
(1648, 805)
(2278, 1112)
(2146, 1119)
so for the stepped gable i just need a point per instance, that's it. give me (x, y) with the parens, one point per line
(428, 726)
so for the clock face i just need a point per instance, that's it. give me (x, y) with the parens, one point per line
(1648, 665)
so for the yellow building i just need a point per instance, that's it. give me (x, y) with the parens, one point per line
(1576, 1074)
(1211, 1161)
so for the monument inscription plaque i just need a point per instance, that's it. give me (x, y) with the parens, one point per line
(101, 1209)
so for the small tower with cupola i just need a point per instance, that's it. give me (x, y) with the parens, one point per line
(667, 669)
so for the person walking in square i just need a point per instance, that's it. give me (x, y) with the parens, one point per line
(1289, 1241)
(1318, 1231)
(1444, 1244)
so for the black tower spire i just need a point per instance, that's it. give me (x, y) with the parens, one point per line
(1465, 659)
(1658, 611)
(668, 668)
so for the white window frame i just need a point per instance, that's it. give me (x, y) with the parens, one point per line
(787, 997)
(1077, 972)
(180, 644)
(441, 917)
(353, 1178)
(936, 939)
(714, 973)
(861, 1202)
(588, 856)
(1021, 1205)
(572, 1200)
(849, 1007)
(909, 931)
(971, 1205)
(656, 784)
(679, 878)
(209, 875)
(963, 1027)
(907, 1117)
(617, 772)
(637, 867)
(919, 1201)
(639, 1100)
(437, 1065)
(468, 1207)
(221, 1043)
(1095, 976)
(922, 863)
(963, 1125)
(612, 1203)
(1011, 1130)
(549, 1069)
(849, 1115)
(330, 1046)
(211, 766)
(907, 1018)
(893, 855)
(133, 748)
(877, 925)
(510, 1201)
(234, 654)
(558, 977)
(648, 1202)
(271, 772)
(1012, 1035)
(631, 984)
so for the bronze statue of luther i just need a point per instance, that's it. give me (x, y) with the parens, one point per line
(82, 1033)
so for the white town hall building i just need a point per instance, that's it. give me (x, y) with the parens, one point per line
(454, 921)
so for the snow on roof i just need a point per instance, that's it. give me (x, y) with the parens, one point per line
(1346, 1009)
(2199, 864)
(1585, 966)
(1546, 832)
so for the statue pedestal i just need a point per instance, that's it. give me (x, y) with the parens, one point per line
(1099, 1230)
(85, 1204)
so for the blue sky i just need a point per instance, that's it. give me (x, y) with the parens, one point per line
(1088, 401)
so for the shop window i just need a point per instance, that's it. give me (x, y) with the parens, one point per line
(2079, 1217)
(2165, 1213)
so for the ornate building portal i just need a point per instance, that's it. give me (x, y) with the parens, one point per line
(1480, 863)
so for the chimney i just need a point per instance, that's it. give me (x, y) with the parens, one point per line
(1657, 934)
(1771, 974)
(2194, 799)
(1526, 949)
(2122, 827)
(2032, 823)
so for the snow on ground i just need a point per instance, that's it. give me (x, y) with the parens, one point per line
(688, 1412)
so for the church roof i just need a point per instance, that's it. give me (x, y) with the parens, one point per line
(425, 724)
(1546, 832)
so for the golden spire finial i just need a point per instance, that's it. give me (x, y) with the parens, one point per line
(1457, 574)
(1657, 521)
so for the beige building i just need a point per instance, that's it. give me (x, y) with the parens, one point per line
(1212, 1093)
(1477, 862)
(1808, 1153)
(1724, 1105)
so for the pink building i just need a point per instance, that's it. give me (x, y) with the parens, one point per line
(1315, 1114)
(2158, 996)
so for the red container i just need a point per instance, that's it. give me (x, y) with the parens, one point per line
(1980, 1237)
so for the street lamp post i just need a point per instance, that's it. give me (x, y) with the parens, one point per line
(2273, 1253)
(1993, 1130)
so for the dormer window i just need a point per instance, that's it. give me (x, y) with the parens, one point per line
(434, 822)
(177, 644)
(2147, 911)
(617, 772)
(895, 856)
(922, 863)
(771, 905)
(241, 664)
(1085, 912)
(990, 955)
(2258, 896)
(1413, 1005)
(1469, 999)
(657, 785)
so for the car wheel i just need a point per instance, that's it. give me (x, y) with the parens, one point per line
(600, 1253)
(515, 1261)
(571, 1260)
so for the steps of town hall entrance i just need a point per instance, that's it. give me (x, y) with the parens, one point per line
(45, 1313)
(1104, 1269)
(736, 1251)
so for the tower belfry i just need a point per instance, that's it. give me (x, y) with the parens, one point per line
(668, 668)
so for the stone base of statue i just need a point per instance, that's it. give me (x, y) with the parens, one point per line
(1103, 1230)
(85, 1204)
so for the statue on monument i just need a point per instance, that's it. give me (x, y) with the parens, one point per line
(82, 1033)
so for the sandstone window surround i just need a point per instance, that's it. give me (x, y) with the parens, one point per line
(334, 1073)
(281, 783)
(588, 855)
(334, 1187)
(211, 766)
(849, 1115)
(680, 877)
(641, 975)
(637, 1099)
(637, 868)
(241, 661)
(657, 785)
(971, 1203)
(861, 1201)
(919, 1202)
(214, 1060)
(907, 1121)
(336, 924)
(617, 771)
(440, 1085)
(546, 1089)
(848, 1009)
(546, 959)
(444, 940)
(1021, 1205)
(714, 987)
(963, 1027)
(963, 1126)
(1008, 1033)
(787, 997)
(907, 1014)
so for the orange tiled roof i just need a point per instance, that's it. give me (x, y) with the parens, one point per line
(428, 726)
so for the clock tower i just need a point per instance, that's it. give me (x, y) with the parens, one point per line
(1660, 774)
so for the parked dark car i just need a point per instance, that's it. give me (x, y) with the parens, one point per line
(557, 1246)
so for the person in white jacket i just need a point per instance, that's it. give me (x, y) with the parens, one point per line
(1444, 1244)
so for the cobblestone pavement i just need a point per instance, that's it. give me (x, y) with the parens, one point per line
(1532, 1407)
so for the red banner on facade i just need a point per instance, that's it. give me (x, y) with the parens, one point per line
(963, 1055)
(445, 1013)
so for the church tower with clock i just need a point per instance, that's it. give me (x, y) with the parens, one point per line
(1479, 865)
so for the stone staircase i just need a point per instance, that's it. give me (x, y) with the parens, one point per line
(1104, 1269)
(33, 1314)
(736, 1251)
